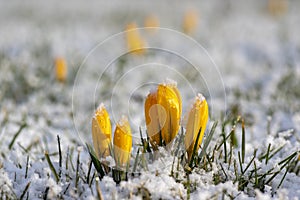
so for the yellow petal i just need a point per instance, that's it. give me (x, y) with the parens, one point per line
(122, 142)
(61, 69)
(135, 43)
(175, 89)
(197, 118)
(101, 132)
(152, 121)
(169, 112)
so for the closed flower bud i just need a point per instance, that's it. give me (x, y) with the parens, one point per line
(190, 22)
(197, 119)
(162, 113)
(122, 143)
(61, 69)
(277, 7)
(135, 43)
(101, 132)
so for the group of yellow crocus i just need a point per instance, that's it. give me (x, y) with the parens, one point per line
(101, 132)
(136, 43)
(163, 108)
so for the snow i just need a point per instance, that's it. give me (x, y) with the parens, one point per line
(200, 97)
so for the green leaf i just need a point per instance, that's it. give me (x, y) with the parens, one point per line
(96, 162)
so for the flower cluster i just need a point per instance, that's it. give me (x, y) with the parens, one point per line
(122, 141)
(163, 109)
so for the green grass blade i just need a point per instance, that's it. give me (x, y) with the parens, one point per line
(96, 162)
(208, 140)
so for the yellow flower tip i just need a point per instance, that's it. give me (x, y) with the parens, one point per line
(151, 22)
(197, 119)
(135, 42)
(122, 142)
(101, 132)
(277, 7)
(190, 21)
(61, 69)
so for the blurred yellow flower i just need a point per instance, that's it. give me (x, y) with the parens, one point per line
(151, 22)
(135, 43)
(277, 7)
(197, 119)
(61, 69)
(190, 22)
(101, 132)
(162, 113)
(122, 143)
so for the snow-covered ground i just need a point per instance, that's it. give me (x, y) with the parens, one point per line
(244, 60)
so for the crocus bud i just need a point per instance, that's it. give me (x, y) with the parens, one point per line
(101, 132)
(190, 22)
(277, 7)
(197, 119)
(162, 113)
(135, 43)
(61, 69)
(122, 143)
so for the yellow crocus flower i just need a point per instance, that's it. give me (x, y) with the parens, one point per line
(122, 143)
(277, 7)
(61, 69)
(197, 118)
(162, 113)
(135, 43)
(101, 132)
(190, 22)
